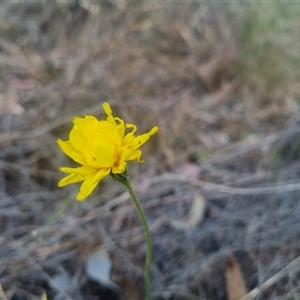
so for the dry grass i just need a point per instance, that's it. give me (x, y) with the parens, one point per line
(222, 88)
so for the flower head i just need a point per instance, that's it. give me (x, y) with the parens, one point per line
(101, 147)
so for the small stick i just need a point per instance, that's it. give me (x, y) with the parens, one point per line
(255, 292)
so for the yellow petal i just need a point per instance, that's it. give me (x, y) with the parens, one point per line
(108, 111)
(130, 136)
(88, 126)
(126, 152)
(77, 139)
(77, 121)
(105, 128)
(90, 183)
(72, 178)
(136, 154)
(79, 170)
(120, 168)
(104, 154)
(142, 139)
(119, 131)
(154, 130)
(107, 108)
(69, 150)
(88, 152)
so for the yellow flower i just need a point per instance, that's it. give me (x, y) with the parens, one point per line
(102, 148)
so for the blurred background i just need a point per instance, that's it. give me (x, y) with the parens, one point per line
(220, 182)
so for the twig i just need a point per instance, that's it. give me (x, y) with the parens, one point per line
(255, 292)
(273, 189)
(29, 258)
(244, 147)
(282, 188)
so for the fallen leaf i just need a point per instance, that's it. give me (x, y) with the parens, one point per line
(235, 284)
(98, 268)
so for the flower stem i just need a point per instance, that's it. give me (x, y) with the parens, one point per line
(147, 235)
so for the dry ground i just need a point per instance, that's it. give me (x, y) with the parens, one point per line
(220, 180)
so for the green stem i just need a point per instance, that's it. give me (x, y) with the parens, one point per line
(147, 235)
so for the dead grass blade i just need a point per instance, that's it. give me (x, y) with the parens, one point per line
(295, 265)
